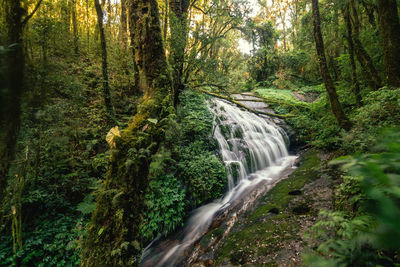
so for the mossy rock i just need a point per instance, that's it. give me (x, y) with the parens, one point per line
(272, 222)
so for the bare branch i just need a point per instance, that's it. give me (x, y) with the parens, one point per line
(27, 18)
(198, 8)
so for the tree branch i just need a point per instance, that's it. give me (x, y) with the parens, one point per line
(27, 18)
(198, 8)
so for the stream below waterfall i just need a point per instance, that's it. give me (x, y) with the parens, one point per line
(256, 157)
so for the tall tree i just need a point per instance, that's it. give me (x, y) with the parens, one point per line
(124, 26)
(15, 19)
(165, 23)
(113, 236)
(75, 27)
(106, 85)
(369, 70)
(356, 86)
(336, 107)
(179, 31)
(390, 31)
(131, 17)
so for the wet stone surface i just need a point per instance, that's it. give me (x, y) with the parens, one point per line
(271, 233)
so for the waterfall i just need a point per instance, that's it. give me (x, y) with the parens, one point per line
(253, 149)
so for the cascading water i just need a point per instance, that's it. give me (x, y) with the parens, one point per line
(253, 149)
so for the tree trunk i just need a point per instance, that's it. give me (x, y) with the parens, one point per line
(356, 86)
(370, 72)
(178, 26)
(87, 26)
(106, 86)
(124, 31)
(330, 88)
(10, 106)
(165, 27)
(113, 237)
(75, 27)
(369, 9)
(66, 18)
(131, 20)
(10, 96)
(124, 45)
(390, 31)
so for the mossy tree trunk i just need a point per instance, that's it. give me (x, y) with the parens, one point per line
(15, 20)
(390, 32)
(129, 5)
(124, 24)
(369, 70)
(113, 235)
(104, 62)
(124, 46)
(336, 107)
(179, 31)
(356, 86)
(75, 27)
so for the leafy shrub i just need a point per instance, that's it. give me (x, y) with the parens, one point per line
(381, 109)
(166, 207)
(63, 156)
(205, 176)
(371, 235)
(52, 242)
(185, 172)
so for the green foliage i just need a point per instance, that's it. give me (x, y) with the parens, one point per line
(381, 109)
(185, 173)
(370, 235)
(166, 204)
(64, 156)
(284, 95)
(205, 176)
(201, 171)
(52, 242)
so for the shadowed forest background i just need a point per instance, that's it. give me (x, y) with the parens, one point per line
(106, 136)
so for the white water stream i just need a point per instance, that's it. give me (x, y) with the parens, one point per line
(254, 151)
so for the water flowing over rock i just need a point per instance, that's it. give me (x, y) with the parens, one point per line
(254, 151)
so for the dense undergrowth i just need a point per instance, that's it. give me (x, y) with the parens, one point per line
(187, 173)
(363, 229)
(314, 123)
(365, 220)
(64, 157)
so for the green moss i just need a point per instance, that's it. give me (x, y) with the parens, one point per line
(113, 235)
(281, 97)
(214, 234)
(261, 232)
(279, 196)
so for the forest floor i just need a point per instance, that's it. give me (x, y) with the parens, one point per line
(273, 231)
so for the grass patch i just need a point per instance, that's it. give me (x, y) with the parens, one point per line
(283, 97)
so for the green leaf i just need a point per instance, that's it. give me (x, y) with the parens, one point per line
(100, 231)
(153, 120)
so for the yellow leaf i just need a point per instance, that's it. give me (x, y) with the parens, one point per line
(110, 137)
